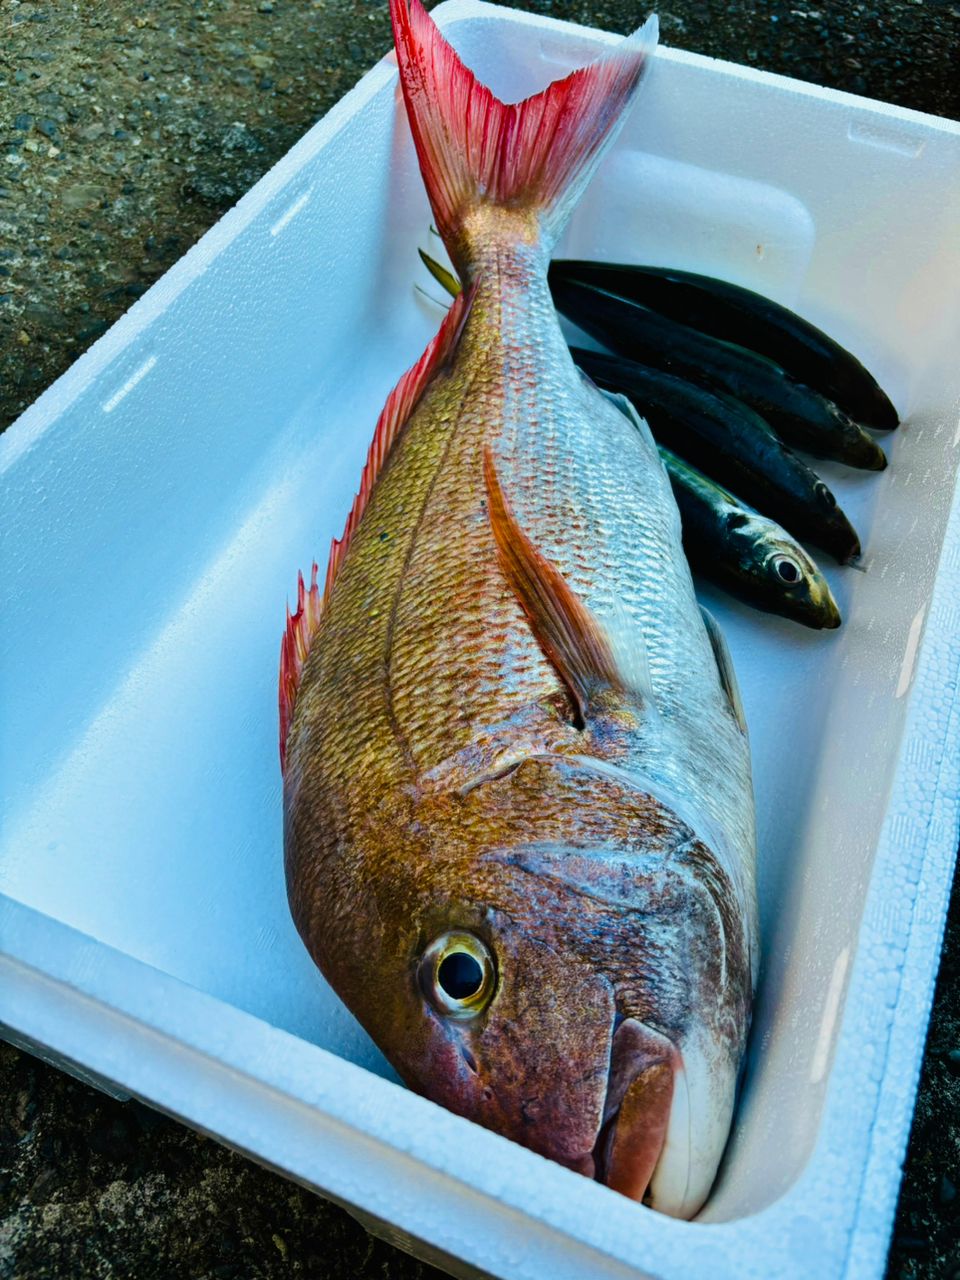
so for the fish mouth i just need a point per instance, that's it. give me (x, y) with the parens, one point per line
(643, 1144)
(820, 611)
(829, 614)
(644, 1066)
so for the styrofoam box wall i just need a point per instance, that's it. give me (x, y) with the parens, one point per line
(158, 501)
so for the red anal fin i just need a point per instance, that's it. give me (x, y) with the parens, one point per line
(401, 402)
(293, 651)
(567, 632)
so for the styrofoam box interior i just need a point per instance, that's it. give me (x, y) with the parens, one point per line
(158, 502)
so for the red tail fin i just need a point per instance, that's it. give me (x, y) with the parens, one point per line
(540, 152)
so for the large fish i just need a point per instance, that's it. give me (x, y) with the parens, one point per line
(519, 822)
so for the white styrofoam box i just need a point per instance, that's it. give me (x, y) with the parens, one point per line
(158, 501)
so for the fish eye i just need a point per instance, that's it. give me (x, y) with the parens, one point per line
(787, 570)
(457, 974)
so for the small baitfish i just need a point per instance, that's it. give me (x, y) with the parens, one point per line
(750, 320)
(519, 822)
(747, 554)
(802, 417)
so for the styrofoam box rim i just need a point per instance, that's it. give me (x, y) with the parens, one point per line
(224, 1071)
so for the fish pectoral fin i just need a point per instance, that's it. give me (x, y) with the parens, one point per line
(629, 648)
(573, 641)
(625, 406)
(728, 677)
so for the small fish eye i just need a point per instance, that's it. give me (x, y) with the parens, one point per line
(787, 570)
(457, 974)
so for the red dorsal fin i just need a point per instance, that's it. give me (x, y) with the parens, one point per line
(538, 153)
(567, 632)
(400, 404)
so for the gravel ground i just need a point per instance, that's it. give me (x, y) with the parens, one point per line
(125, 131)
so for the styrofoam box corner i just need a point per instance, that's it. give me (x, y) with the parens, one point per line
(158, 501)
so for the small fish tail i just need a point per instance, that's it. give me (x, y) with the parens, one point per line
(538, 154)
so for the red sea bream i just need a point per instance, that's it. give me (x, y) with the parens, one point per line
(519, 825)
